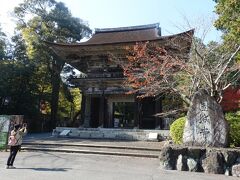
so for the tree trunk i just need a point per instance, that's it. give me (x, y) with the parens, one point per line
(57, 66)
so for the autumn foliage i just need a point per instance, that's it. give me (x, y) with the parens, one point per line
(231, 99)
(180, 65)
(150, 69)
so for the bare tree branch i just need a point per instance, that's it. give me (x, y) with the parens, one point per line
(226, 65)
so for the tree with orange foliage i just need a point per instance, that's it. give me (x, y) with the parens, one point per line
(151, 69)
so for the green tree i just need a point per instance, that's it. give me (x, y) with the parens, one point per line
(229, 21)
(16, 88)
(51, 22)
(18, 85)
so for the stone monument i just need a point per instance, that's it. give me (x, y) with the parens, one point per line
(205, 124)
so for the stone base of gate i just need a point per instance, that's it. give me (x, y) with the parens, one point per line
(106, 133)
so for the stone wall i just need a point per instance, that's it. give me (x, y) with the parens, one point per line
(196, 159)
(108, 133)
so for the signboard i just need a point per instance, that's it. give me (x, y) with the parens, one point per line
(7, 123)
(65, 132)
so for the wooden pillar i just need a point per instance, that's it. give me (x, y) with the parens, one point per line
(158, 109)
(83, 105)
(136, 113)
(110, 114)
(87, 112)
(140, 113)
(101, 111)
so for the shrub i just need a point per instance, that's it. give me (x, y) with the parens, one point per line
(234, 125)
(177, 127)
(176, 130)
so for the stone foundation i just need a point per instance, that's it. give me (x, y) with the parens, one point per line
(107, 133)
(196, 159)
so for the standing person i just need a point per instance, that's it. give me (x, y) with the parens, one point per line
(17, 135)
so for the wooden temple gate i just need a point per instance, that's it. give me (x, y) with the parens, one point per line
(105, 102)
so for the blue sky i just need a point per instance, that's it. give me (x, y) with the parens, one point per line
(174, 16)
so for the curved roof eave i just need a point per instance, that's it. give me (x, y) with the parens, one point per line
(86, 44)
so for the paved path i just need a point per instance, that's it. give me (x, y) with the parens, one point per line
(67, 166)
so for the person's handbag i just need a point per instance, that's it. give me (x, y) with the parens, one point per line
(12, 141)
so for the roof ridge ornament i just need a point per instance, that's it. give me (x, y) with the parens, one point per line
(128, 28)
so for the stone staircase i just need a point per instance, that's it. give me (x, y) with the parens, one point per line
(95, 148)
(120, 142)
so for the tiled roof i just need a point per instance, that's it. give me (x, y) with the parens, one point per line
(116, 41)
(129, 28)
(125, 34)
(110, 39)
(120, 35)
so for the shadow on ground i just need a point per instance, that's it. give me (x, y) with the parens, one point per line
(47, 169)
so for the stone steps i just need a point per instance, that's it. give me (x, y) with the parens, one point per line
(82, 148)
